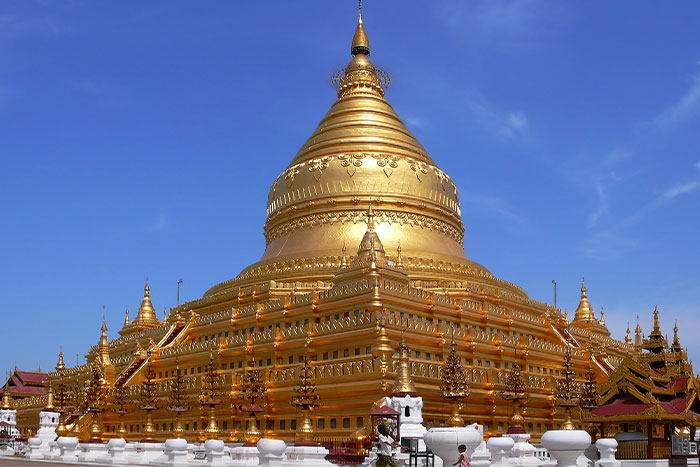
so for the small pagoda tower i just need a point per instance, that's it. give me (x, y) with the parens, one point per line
(145, 317)
(405, 400)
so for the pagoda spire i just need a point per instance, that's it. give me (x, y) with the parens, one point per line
(49, 399)
(628, 337)
(6, 400)
(60, 365)
(584, 312)
(403, 385)
(638, 335)
(343, 259)
(360, 41)
(399, 259)
(126, 318)
(602, 316)
(370, 246)
(103, 347)
(676, 346)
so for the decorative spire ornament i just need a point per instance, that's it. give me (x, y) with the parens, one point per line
(305, 398)
(178, 403)
(49, 407)
(61, 402)
(588, 399)
(399, 259)
(343, 259)
(148, 399)
(628, 337)
(454, 386)
(515, 391)
(60, 365)
(6, 399)
(403, 386)
(126, 318)
(253, 390)
(120, 397)
(566, 391)
(94, 398)
(209, 397)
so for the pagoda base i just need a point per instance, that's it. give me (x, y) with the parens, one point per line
(306, 454)
(146, 453)
(245, 455)
(90, 452)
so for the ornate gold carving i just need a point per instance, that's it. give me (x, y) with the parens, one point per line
(354, 216)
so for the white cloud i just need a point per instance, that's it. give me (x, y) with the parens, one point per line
(518, 121)
(603, 205)
(617, 155)
(506, 125)
(497, 205)
(415, 122)
(678, 190)
(687, 107)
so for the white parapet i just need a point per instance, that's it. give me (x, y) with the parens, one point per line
(306, 455)
(246, 455)
(215, 452)
(607, 448)
(90, 452)
(34, 449)
(115, 452)
(500, 448)
(272, 452)
(523, 453)
(566, 445)
(176, 453)
(443, 441)
(67, 445)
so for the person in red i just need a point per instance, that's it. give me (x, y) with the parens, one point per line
(463, 460)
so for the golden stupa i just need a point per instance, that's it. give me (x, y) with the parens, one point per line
(364, 245)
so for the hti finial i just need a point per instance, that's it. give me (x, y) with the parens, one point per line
(360, 42)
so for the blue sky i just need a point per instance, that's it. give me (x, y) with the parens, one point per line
(140, 139)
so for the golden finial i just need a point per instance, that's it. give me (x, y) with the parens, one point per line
(126, 318)
(49, 398)
(343, 259)
(399, 259)
(602, 316)
(360, 41)
(165, 314)
(403, 384)
(628, 337)
(584, 311)
(6, 401)
(60, 365)
(656, 319)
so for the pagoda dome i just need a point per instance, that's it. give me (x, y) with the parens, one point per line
(362, 154)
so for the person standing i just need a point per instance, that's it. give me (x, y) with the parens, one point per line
(386, 442)
(463, 460)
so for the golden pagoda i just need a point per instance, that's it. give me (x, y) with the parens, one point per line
(360, 188)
